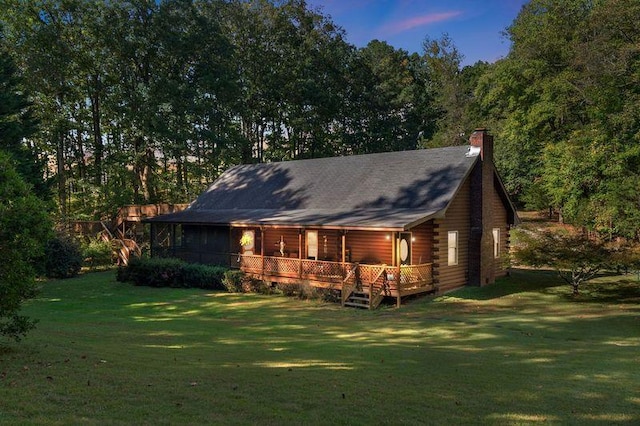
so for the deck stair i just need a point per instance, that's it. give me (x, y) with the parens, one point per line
(361, 292)
(124, 248)
(358, 299)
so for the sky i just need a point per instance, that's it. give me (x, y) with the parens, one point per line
(475, 26)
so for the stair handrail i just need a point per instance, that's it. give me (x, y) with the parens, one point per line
(106, 228)
(347, 289)
(376, 298)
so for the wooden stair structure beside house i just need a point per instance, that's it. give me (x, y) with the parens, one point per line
(367, 295)
(125, 231)
(123, 248)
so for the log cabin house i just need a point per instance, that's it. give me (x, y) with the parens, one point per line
(388, 224)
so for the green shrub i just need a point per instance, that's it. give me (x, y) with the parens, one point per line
(289, 290)
(232, 281)
(63, 257)
(238, 282)
(154, 272)
(307, 291)
(167, 272)
(203, 276)
(97, 252)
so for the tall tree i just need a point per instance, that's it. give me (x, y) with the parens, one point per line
(24, 228)
(565, 99)
(17, 124)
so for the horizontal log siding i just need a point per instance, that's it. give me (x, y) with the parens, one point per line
(499, 220)
(334, 239)
(272, 241)
(421, 248)
(370, 247)
(457, 219)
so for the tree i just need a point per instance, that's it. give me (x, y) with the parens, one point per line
(17, 124)
(443, 62)
(564, 103)
(574, 256)
(24, 228)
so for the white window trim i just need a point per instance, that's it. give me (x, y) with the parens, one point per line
(312, 249)
(496, 243)
(452, 248)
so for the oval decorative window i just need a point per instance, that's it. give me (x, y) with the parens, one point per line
(404, 250)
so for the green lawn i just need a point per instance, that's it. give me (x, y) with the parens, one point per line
(521, 351)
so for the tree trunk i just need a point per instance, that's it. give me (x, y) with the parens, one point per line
(61, 178)
(98, 149)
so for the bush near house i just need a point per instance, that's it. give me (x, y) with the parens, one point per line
(159, 272)
(62, 257)
(239, 282)
(97, 252)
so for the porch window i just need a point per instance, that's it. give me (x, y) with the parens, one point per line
(312, 245)
(453, 248)
(496, 243)
(177, 235)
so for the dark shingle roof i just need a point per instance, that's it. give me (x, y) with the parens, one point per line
(388, 190)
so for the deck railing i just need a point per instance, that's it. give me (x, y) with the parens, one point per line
(379, 277)
(413, 276)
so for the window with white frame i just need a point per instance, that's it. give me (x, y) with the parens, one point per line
(453, 248)
(312, 245)
(496, 243)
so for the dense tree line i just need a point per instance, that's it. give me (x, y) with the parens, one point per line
(143, 100)
(564, 103)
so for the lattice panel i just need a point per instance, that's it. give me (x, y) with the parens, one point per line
(416, 274)
(251, 263)
(281, 265)
(322, 269)
(370, 273)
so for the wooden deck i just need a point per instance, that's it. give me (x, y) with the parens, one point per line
(377, 281)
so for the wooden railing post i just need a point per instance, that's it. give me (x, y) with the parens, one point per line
(399, 287)
(300, 253)
(262, 253)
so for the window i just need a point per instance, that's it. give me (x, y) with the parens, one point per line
(312, 245)
(453, 248)
(496, 243)
(177, 235)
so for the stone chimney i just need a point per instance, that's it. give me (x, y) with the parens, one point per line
(481, 260)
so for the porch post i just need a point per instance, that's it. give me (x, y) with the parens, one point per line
(262, 251)
(344, 247)
(393, 248)
(300, 231)
(399, 290)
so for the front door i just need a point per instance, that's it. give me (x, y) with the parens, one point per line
(404, 248)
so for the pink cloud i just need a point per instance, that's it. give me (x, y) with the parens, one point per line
(418, 21)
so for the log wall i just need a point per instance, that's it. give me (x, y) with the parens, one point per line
(458, 219)
(421, 246)
(499, 220)
(370, 247)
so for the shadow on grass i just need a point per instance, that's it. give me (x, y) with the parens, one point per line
(610, 289)
(284, 361)
(519, 281)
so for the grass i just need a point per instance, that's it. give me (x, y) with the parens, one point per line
(519, 352)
